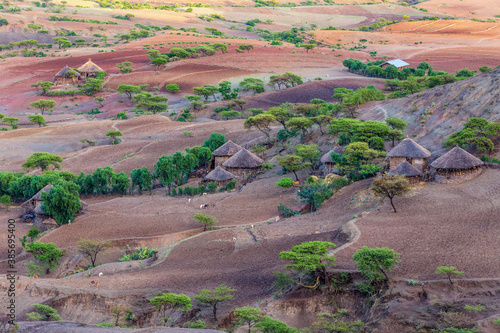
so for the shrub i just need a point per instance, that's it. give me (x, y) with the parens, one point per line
(285, 183)
(197, 324)
(105, 325)
(212, 187)
(44, 313)
(287, 212)
(138, 253)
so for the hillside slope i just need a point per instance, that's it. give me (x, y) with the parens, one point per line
(434, 114)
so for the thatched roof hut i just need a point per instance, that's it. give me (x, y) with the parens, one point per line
(243, 160)
(410, 151)
(220, 176)
(38, 195)
(89, 69)
(409, 148)
(228, 149)
(66, 75)
(224, 152)
(457, 159)
(327, 159)
(405, 169)
(31, 204)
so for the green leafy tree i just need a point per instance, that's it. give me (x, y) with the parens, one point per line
(262, 122)
(114, 134)
(5, 200)
(147, 179)
(214, 141)
(230, 114)
(42, 161)
(356, 156)
(99, 100)
(137, 181)
(337, 323)
(43, 85)
(164, 170)
(46, 253)
(396, 123)
(478, 133)
(285, 183)
(282, 115)
(254, 84)
(172, 88)
(128, 89)
(204, 156)
(373, 263)
(93, 85)
(299, 124)
(63, 42)
(159, 62)
(449, 271)
(321, 120)
(214, 298)
(391, 186)
(247, 315)
(205, 220)
(310, 258)
(11, 121)
(246, 47)
(293, 163)
(37, 119)
(62, 201)
(270, 325)
(171, 301)
(90, 248)
(308, 47)
(43, 313)
(309, 153)
(220, 47)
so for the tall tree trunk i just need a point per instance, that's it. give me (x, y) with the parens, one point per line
(392, 204)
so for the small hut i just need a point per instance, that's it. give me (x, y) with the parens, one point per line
(89, 69)
(67, 75)
(407, 170)
(326, 160)
(456, 166)
(400, 64)
(410, 151)
(224, 152)
(243, 163)
(35, 201)
(219, 175)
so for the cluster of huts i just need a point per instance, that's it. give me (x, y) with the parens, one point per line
(73, 76)
(231, 161)
(411, 160)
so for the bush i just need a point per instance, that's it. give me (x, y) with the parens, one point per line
(139, 253)
(285, 183)
(197, 324)
(105, 325)
(287, 212)
(44, 313)
(212, 187)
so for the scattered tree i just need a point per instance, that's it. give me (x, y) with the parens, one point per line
(214, 298)
(118, 311)
(308, 47)
(293, 163)
(299, 124)
(449, 271)
(44, 105)
(248, 315)
(47, 253)
(128, 89)
(5, 200)
(171, 301)
(37, 119)
(62, 201)
(114, 134)
(43, 313)
(90, 248)
(246, 47)
(390, 186)
(100, 100)
(262, 122)
(373, 263)
(11, 121)
(172, 88)
(205, 220)
(42, 161)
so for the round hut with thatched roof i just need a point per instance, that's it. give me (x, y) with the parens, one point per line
(456, 166)
(35, 201)
(409, 171)
(326, 160)
(224, 152)
(220, 176)
(89, 69)
(410, 151)
(67, 75)
(243, 163)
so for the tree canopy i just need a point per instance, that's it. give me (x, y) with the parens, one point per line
(42, 161)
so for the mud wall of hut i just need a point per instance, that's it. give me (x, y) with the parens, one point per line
(219, 160)
(458, 176)
(419, 163)
(242, 173)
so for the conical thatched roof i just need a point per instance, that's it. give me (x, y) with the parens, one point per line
(409, 148)
(89, 67)
(457, 159)
(327, 159)
(243, 159)
(228, 149)
(39, 194)
(405, 169)
(219, 175)
(63, 72)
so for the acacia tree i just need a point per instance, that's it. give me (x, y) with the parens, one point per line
(300, 124)
(42, 161)
(281, 115)
(171, 301)
(128, 89)
(37, 119)
(43, 105)
(246, 47)
(293, 163)
(309, 153)
(262, 122)
(11, 121)
(114, 134)
(373, 263)
(47, 253)
(311, 258)
(90, 248)
(308, 47)
(205, 220)
(449, 271)
(390, 186)
(214, 298)
(248, 315)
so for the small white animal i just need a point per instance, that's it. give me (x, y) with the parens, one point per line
(100, 274)
(201, 206)
(204, 194)
(189, 200)
(234, 239)
(252, 226)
